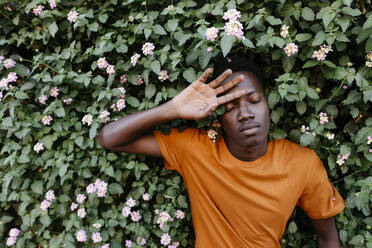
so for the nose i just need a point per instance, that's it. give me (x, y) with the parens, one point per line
(245, 111)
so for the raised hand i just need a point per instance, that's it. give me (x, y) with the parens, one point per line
(199, 99)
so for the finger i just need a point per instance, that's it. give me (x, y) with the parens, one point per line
(229, 85)
(230, 97)
(220, 79)
(204, 77)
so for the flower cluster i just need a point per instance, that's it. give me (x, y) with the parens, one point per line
(369, 140)
(321, 54)
(123, 79)
(212, 134)
(72, 16)
(231, 15)
(96, 237)
(148, 48)
(81, 236)
(87, 119)
(341, 158)
(12, 239)
(323, 118)
(99, 186)
(163, 75)
(38, 147)
(165, 239)
(291, 49)
(42, 99)
(102, 64)
(54, 92)
(52, 4)
(46, 119)
(38, 9)
(211, 33)
(134, 59)
(8, 63)
(330, 136)
(369, 59)
(139, 79)
(4, 83)
(284, 31)
(104, 116)
(163, 218)
(49, 197)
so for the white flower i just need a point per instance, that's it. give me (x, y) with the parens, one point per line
(74, 206)
(211, 33)
(96, 237)
(284, 33)
(134, 59)
(38, 147)
(50, 195)
(330, 136)
(135, 216)
(81, 213)
(102, 63)
(87, 119)
(130, 202)
(104, 116)
(97, 225)
(291, 49)
(146, 197)
(72, 16)
(234, 28)
(180, 214)
(80, 198)
(231, 15)
(125, 211)
(165, 239)
(148, 48)
(110, 69)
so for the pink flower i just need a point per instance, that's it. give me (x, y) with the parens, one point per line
(326, 48)
(135, 216)
(146, 197)
(125, 211)
(344, 86)
(320, 55)
(174, 245)
(284, 33)
(130, 202)
(96, 237)
(14, 232)
(52, 4)
(38, 147)
(102, 63)
(81, 236)
(101, 188)
(120, 104)
(12, 77)
(80, 198)
(38, 9)
(9, 63)
(291, 49)
(54, 91)
(110, 69)
(139, 79)
(180, 214)
(211, 33)
(105, 246)
(74, 206)
(11, 241)
(141, 241)
(209, 49)
(148, 48)
(163, 75)
(81, 213)
(128, 243)
(87, 119)
(72, 16)
(4, 83)
(45, 205)
(123, 79)
(49, 195)
(234, 28)
(42, 99)
(91, 188)
(46, 119)
(123, 91)
(231, 15)
(134, 59)
(68, 101)
(165, 239)
(104, 116)
(323, 118)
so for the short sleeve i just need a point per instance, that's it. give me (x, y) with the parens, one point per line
(172, 146)
(320, 199)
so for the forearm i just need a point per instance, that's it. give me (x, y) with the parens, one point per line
(328, 243)
(129, 128)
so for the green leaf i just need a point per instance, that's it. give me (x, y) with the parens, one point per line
(53, 28)
(155, 67)
(147, 32)
(21, 95)
(312, 93)
(93, 27)
(344, 150)
(62, 170)
(182, 201)
(248, 43)
(292, 227)
(306, 139)
(115, 188)
(109, 171)
(357, 240)
(301, 107)
(288, 62)
(172, 24)
(310, 63)
(227, 42)
(303, 37)
(131, 100)
(189, 75)
(307, 14)
(93, 130)
(45, 220)
(327, 18)
(150, 91)
(368, 22)
(350, 11)
(159, 30)
(103, 18)
(273, 99)
(79, 141)
(60, 112)
(37, 187)
(273, 21)
(279, 134)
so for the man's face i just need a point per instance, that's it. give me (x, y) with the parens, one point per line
(246, 119)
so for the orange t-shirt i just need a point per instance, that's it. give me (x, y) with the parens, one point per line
(247, 204)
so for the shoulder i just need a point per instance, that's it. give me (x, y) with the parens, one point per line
(293, 148)
(185, 135)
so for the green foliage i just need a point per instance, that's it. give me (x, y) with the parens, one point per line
(52, 52)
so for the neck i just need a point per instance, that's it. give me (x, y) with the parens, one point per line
(246, 152)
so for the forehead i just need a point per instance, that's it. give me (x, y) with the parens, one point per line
(249, 83)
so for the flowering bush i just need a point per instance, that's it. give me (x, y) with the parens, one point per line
(68, 67)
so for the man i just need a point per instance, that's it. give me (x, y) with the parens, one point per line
(243, 189)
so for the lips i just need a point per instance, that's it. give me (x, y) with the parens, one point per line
(248, 126)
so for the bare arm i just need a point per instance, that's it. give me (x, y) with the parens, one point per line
(133, 133)
(327, 233)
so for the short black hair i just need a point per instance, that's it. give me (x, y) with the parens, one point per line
(237, 64)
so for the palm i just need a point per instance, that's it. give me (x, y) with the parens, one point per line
(199, 100)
